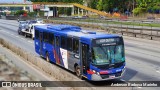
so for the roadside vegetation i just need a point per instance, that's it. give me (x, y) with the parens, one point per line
(118, 22)
(127, 7)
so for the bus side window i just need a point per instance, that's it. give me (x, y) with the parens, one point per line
(51, 38)
(36, 34)
(69, 43)
(45, 35)
(63, 42)
(57, 41)
(75, 45)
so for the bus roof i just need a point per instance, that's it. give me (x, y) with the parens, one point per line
(75, 31)
(63, 27)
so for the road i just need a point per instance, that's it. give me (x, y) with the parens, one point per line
(38, 74)
(142, 55)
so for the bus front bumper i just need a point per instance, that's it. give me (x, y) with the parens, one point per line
(96, 77)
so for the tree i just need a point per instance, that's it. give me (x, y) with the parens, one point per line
(92, 4)
(119, 5)
(20, 12)
(67, 1)
(151, 6)
(100, 5)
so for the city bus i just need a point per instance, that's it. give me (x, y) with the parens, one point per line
(91, 55)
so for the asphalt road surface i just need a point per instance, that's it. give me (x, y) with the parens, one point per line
(142, 55)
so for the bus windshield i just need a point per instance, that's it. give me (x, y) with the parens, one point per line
(108, 54)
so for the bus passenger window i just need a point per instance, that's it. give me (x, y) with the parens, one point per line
(45, 36)
(51, 38)
(69, 44)
(75, 46)
(63, 42)
(57, 41)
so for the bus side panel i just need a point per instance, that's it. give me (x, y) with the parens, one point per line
(72, 59)
(52, 58)
(50, 50)
(47, 48)
(68, 59)
(43, 52)
(37, 46)
(64, 58)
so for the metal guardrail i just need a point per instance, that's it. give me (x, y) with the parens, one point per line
(11, 17)
(136, 31)
(16, 18)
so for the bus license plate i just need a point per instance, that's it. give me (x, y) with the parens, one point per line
(111, 76)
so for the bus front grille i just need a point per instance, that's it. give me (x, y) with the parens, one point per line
(107, 75)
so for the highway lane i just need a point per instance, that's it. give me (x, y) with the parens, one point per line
(142, 56)
(12, 37)
(10, 33)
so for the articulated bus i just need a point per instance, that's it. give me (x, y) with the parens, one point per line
(91, 55)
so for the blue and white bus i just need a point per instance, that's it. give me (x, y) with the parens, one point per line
(91, 55)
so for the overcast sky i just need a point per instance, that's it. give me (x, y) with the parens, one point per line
(11, 1)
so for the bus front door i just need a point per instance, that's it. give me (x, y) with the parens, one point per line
(84, 57)
(57, 49)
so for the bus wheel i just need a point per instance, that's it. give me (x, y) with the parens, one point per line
(18, 33)
(78, 72)
(25, 35)
(32, 37)
(47, 57)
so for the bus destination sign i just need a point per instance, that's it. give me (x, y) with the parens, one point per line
(108, 41)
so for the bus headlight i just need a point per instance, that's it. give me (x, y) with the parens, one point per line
(97, 73)
(94, 71)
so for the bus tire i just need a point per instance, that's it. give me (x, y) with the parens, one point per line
(78, 72)
(18, 33)
(32, 37)
(47, 57)
(25, 35)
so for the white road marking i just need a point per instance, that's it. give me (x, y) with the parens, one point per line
(133, 43)
(4, 31)
(122, 79)
(139, 87)
(158, 71)
(30, 42)
(15, 36)
(22, 38)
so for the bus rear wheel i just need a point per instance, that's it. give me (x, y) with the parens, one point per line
(25, 35)
(47, 57)
(32, 37)
(78, 72)
(19, 33)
